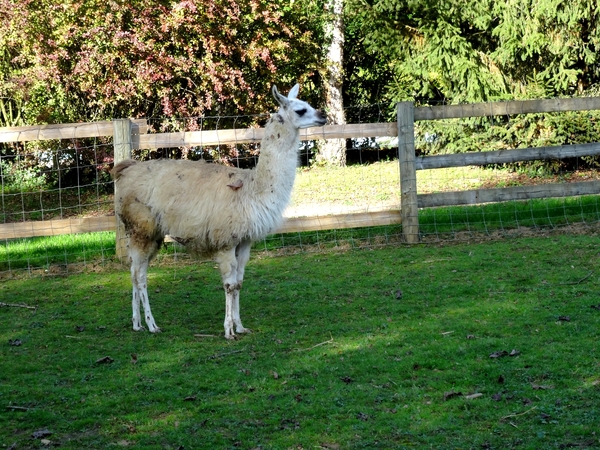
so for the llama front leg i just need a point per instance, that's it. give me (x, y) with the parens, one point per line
(230, 263)
(139, 280)
(242, 254)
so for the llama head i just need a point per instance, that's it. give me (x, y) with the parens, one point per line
(296, 111)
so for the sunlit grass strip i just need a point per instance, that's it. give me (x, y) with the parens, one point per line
(443, 223)
(536, 213)
(42, 252)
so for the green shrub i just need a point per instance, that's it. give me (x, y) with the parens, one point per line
(15, 178)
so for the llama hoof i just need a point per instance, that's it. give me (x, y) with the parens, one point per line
(155, 330)
(138, 328)
(230, 337)
(243, 330)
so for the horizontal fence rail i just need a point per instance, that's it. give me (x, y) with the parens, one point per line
(133, 134)
(506, 156)
(66, 131)
(477, 196)
(255, 135)
(506, 108)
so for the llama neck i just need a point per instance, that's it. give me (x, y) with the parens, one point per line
(276, 168)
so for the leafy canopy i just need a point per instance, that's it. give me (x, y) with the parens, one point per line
(92, 59)
(478, 50)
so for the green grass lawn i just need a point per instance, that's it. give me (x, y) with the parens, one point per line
(387, 348)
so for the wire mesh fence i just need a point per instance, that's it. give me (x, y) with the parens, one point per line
(552, 180)
(57, 195)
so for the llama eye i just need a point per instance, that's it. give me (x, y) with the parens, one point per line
(301, 112)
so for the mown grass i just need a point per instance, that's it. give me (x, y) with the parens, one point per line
(357, 349)
(44, 252)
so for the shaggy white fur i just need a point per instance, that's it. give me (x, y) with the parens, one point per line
(213, 210)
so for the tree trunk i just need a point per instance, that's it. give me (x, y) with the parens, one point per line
(333, 151)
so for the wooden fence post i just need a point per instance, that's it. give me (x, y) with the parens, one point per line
(122, 150)
(409, 208)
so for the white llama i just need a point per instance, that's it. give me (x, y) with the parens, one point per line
(213, 210)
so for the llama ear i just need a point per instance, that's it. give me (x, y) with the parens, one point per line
(294, 92)
(280, 99)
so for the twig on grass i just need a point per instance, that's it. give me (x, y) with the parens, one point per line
(13, 305)
(219, 355)
(330, 341)
(577, 282)
(17, 408)
(519, 414)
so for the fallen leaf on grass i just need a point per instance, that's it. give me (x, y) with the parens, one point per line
(501, 353)
(105, 360)
(40, 434)
(347, 380)
(497, 397)
(398, 294)
(289, 424)
(564, 318)
(191, 398)
(134, 358)
(275, 375)
(451, 394)
(80, 328)
(362, 416)
(331, 446)
(596, 306)
(541, 387)
(15, 342)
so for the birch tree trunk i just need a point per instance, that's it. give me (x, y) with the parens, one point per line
(333, 151)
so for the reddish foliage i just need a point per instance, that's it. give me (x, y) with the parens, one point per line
(114, 58)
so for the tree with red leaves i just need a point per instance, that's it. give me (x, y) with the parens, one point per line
(79, 60)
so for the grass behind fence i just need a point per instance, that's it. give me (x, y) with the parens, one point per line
(68, 253)
(484, 346)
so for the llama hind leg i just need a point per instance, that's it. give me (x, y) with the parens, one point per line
(139, 280)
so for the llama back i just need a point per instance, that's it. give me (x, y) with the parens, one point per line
(205, 206)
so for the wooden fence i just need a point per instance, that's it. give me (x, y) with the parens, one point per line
(132, 134)
(411, 200)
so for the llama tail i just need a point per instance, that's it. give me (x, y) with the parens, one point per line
(117, 171)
